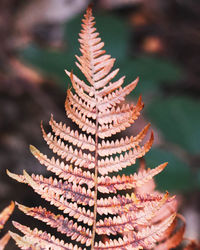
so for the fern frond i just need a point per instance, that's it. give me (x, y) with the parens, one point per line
(117, 115)
(172, 240)
(117, 96)
(109, 165)
(76, 193)
(74, 137)
(79, 91)
(4, 241)
(129, 220)
(38, 240)
(4, 216)
(82, 106)
(108, 148)
(81, 84)
(80, 119)
(63, 225)
(73, 156)
(145, 238)
(60, 200)
(111, 185)
(94, 203)
(67, 172)
(120, 204)
(111, 87)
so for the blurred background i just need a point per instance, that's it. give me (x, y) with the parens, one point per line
(159, 42)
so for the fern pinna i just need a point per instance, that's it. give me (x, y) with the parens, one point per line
(102, 211)
(4, 216)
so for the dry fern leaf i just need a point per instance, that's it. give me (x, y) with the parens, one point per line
(95, 204)
(173, 236)
(4, 216)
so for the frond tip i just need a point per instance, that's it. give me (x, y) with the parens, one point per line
(94, 199)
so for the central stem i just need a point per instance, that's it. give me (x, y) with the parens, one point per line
(95, 183)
